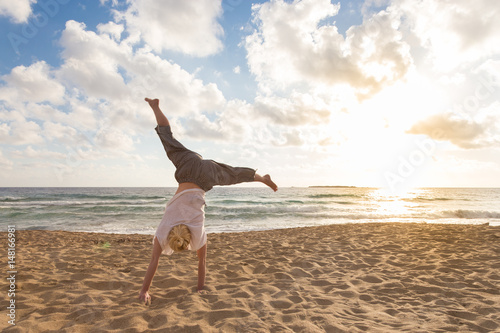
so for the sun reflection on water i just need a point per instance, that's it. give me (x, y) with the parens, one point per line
(394, 204)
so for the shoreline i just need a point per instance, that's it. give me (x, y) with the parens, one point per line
(210, 232)
(384, 277)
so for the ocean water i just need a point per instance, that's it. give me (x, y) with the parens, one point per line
(236, 209)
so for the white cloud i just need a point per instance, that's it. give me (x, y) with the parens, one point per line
(68, 136)
(20, 132)
(82, 114)
(114, 139)
(291, 45)
(453, 32)
(5, 164)
(237, 70)
(31, 153)
(35, 83)
(189, 27)
(110, 70)
(461, 132)
(231, 123)
(289, 137)
(19, 11)
(113, 2)
(4, 132)
(294, 110)
(112, 29)
(297, 56)
(95, 98)
(200, 127)
(91, 62)
(58, 131)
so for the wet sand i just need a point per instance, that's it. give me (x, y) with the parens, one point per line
(341, 278)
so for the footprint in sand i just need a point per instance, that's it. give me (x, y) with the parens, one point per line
(298, 272)
(221, 315)
(371, 279)
(281, 304)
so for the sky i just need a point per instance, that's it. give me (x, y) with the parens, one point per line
(380, 93)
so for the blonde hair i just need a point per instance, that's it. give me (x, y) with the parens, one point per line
(179, 238)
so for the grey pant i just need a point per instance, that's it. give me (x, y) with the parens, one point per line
(192, 168)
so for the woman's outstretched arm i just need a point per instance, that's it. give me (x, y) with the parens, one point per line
(150, 273)
(202, 266)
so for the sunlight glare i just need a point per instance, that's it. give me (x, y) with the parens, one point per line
(395, 203)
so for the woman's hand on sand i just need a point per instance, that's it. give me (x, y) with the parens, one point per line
(145, 297)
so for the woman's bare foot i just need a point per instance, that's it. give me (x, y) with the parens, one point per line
(160, 117)
(266, 179)
(154, 103)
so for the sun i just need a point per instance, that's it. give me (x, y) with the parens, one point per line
(372, 134)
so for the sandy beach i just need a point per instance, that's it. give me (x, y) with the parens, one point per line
(341, 278)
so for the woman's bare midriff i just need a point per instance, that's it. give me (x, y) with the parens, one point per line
(186, 186)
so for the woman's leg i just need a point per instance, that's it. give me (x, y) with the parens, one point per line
(160, 117)
(234, 173)
(176, 152)
(223, 174)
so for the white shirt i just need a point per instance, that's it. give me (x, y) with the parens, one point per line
(188, 208)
